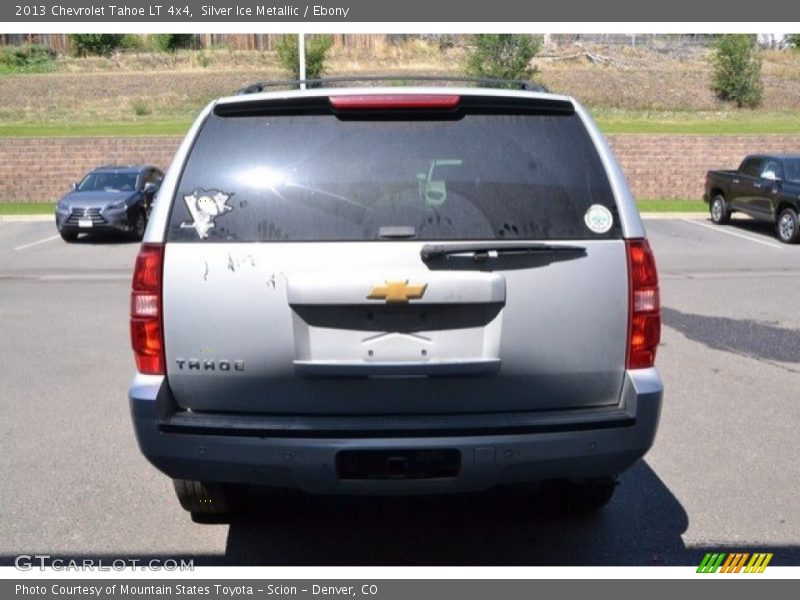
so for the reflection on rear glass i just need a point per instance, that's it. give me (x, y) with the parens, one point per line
(317, 178)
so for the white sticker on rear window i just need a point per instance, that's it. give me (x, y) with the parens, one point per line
(205, 206)
(598, 218)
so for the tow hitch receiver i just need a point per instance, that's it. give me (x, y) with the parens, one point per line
(397, 464)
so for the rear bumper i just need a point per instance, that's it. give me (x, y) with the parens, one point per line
(301, 453)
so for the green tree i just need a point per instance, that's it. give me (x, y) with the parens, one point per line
(737, 70)
(793, 39)
(316, 49)
(100, 44)
(503, 56)
(170, 42)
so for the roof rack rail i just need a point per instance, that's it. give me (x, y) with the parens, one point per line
(118, 166)
(260, 86)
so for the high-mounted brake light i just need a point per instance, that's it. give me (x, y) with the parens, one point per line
(644, 312)
(394, 101)
(147, 339)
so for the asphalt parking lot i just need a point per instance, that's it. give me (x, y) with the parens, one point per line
(723, 473)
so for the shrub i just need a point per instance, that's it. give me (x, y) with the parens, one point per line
(793, 40)
(140, 107)
(27, 58)
(99, 44)
(131, 41)
(203, 60)
(737, 70)
(170, 42)
(316, 49)
(503, 56)
(446, 41)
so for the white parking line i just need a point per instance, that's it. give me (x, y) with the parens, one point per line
(719, 229)
(37, 242)
(86, 277)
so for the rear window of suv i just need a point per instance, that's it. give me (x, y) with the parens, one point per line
(318, 177)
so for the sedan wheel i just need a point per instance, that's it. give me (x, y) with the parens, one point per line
(139, 226)
(68, 236)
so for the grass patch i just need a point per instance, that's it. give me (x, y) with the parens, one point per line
(150, 121)
(27, 208)
(27, 69)
(119, 128)
(28, 58)
(731, 122)
(671, 205)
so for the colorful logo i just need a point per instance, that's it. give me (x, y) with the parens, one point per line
(397, 291)
(735, 562)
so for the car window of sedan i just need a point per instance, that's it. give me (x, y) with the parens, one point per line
(95, 182)
(123, 182)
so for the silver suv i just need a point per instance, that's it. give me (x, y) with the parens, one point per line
(394, 291)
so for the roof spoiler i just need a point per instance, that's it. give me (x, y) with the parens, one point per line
(517, 84)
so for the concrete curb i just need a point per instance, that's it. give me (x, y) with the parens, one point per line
(674, 215)
(27, 218)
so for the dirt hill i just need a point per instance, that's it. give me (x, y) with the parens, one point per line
(135, 86)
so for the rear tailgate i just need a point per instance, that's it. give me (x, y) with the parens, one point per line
(295, 280)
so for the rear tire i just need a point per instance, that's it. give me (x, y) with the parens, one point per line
(68, 236)
(787, 227)
(203, 499)
(589, 495)
(720, 213)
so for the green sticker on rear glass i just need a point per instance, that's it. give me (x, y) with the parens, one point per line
(598, 218)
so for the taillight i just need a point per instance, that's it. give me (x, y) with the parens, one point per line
(644, 312)
(394, 101)
(147, 337)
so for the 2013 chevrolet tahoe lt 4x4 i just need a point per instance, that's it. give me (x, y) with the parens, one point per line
(394, 291)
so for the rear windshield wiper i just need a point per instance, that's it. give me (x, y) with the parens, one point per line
(481, 250)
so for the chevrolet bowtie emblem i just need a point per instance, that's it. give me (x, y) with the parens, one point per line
(397, 291)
